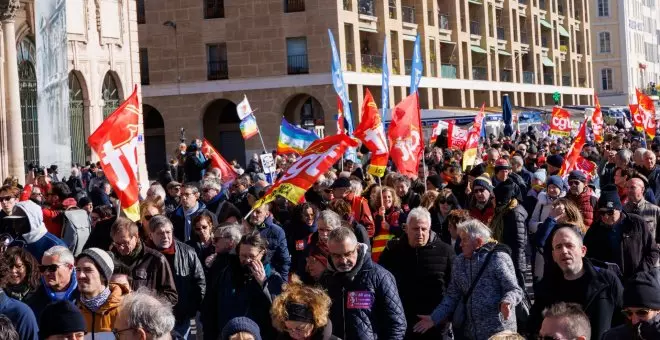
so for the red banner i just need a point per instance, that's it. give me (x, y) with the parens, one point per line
(471, 148)
(115, 142)
(574, 152)
(456, 136)
(315, 161)
(340, 116)
(560, 124)
(405, 138)
(637, 117)
(479, 120)
(435, 133)
(646, 109)
(597, 122)
(589, 168)
(217, 161)
(372, 133)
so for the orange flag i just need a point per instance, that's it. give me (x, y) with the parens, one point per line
(217, 161)
(405, 136)
(638, 120)
(372, 133)
(340, 116)
(647, 110)
(573, 154)
(597, 121)
(115, 142)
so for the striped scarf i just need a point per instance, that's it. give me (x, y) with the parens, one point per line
(95, 303)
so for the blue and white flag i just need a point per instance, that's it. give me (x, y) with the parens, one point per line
(385, 91)
(417, 67)
(338, 83)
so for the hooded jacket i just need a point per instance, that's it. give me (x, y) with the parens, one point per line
(541, 211)
(366, 301)
(38, 239)
(103, 320)
(44, 295)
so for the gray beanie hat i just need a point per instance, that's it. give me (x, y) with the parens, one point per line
(101, 259)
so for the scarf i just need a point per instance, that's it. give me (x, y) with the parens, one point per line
(130, 259)
(19, 291)
(95, 303)
(167, 251)
(497, 224)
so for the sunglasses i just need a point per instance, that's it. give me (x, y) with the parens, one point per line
(642, 313)
(148, 217)
(51, 268)
(6, 198)
(607, 212)
(572, 183)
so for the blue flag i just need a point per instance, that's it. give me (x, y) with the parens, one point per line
(385, 91)
(338, 83)
(417, 67)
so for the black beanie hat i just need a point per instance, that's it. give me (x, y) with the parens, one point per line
(505, 191)
(477, 170)
(63, 318)
(555, 160)
(435, 180)
(642, 290)
(609, 198)
(240, 324)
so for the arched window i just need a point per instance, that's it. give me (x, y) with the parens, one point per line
(110, 95)
(27, 78)
(79, 149)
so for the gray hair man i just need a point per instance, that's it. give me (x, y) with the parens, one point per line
(142, 315)
(225, 240)
(369, 290)
(156, 190)
(59, 278)
(638, 205)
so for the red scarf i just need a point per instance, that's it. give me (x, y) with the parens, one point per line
(167, 251)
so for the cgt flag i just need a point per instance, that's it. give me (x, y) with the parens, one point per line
(597, 122)
(115, 142)
(217, 161)
(372, 133)
(456, 137)
(573, 154)
(638, 120)
(560, 124)
(300, 176)
(405, 137)
(646, 110)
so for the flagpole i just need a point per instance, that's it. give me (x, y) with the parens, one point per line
(259, 130)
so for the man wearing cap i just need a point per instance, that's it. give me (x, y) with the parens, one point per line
(582, 195)
(553, 163)
(173, 196)
(620, 238)
(641, 305)
(638, 205)
(482, 201)
(64, 321)
(99, 300)
(359, 205)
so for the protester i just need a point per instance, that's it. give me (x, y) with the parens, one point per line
(202, 243)
(238, 195)
(240, 328)
(278, 253)
(149, 208)
(7, 329)
(482, 200)
(387, 219)
(22, 318)
(582, 196)
(142, 315)
(225, 240)
(565, 321)
(190, 208)
(508, 224)
(440, 209)
(58, 280)
(554, 189)
(33, 233)
(638, 205)
(23, 278)
(343, 209)
(173, 196)
(360, 210)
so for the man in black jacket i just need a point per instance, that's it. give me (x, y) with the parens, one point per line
(596, 289)
(366, 300)
(620, 238)
(421, 265)
(187, 270)
(183, 215)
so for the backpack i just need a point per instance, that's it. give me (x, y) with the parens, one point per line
(76, 228)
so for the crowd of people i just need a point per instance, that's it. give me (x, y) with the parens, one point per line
(509, 249)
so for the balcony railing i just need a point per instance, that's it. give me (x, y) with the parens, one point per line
(372, 63)
(218, 70)
(528, 77)
(291, 6)
(548, 79)
(408, 65)
(350, 61)
(448, 71)
(348, 5)
(506, 75)
(475, 27)
(479, 73)
(408, 14)
(214, 9)
(297, 64)
(443, 21)
(500, 33)
(566, 80)
(366, 7)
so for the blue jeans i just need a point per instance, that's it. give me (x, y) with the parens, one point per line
(182, 328)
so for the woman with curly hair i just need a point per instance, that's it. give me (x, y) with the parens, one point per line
(386, 218)
(23, 277)
(428, 198)
(301, 313)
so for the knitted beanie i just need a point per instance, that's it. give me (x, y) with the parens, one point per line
(60, 317)
(238, 325)
(101, 259)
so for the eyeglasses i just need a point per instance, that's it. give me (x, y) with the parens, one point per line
(574, 182)
(6, 198)
(642, 313)
(117, 332)
(51, 268)
(253, 258)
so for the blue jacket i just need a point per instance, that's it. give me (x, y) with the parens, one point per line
(38, 239)
(278, 252)
(37, 249)
(44, 296)
(366, 303)
(21, 317)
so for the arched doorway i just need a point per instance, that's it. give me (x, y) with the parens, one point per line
(307, 112)
(110, 94)
(221, 128)
(28, 90)
(79, 149)
(154, 140)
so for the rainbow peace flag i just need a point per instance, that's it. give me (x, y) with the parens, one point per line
(249, 127)
(294, 139)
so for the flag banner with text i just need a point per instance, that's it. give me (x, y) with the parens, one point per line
(372, 133)
(638, 120)
(471, 148)
(300, 176)
(560, 123)
(437, 130)
(597, 122)
(589, 168)
(479, 120)
(646, 108)
(573, 153)
(217, 161)
(115, 142)
(456, 136)
(405, 136)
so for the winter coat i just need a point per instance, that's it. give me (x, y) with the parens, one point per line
(422, 275)
(240, 201)
(324, 333)
(637, 250)
(189, 280)
(103, 320)
(603, 298)
(234, 293)
(38, 240)
(541, 211)
(649, 212)
(586, 202)
(643, 330)
(479, 317)
(171, 203)
(20, 316)
(366, 301)
(278, 252)
(194, 167)
(44, 296)
(220, 207)
(514, 233)
(440, 225)
(484, 215)
(182, 232)
(298, 238)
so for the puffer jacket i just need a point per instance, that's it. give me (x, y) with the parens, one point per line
(480, 316)
(541, 211)
(101, 322)
(586, 202)
(278, 251)
(422, 275)
(514, 234)
(189, 280)
(366, 301)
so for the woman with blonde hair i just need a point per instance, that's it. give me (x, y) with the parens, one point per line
(428, 198)
(301, 313)
(149, 208)
(387, 212)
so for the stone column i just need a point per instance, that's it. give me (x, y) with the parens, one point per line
(14, 127)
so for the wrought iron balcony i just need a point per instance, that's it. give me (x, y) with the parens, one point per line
(506, 75)
(479, 73)
(372, 63)
(408, 14)
(218, 70)
(528, 77)
(297, 64)
(548, 79)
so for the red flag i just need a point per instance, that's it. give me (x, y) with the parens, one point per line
(479, 120)
(471, 148)
(597, 121)
(217, 161)
(589, 168)
(647, 109)
(115, 142)
(435, 133)
(372, 133)
(560, 124)
(574, 152)
(637, 117)
(405, 137)
(340, 116)
(456, 136)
